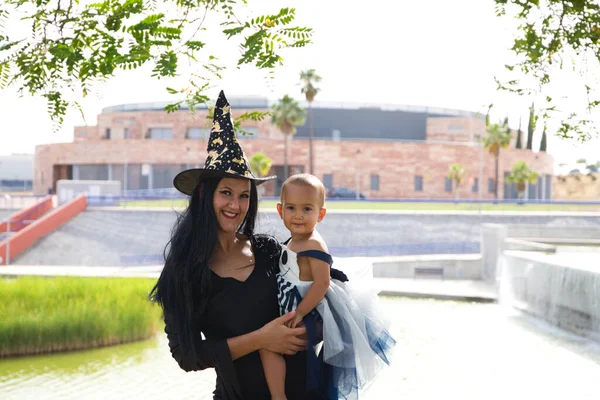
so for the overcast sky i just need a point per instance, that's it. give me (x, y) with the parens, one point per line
(435, 53)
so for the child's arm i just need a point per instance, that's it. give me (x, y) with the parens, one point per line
(317, 290)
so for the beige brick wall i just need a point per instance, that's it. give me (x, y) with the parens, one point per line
(576, 187)
(396, 163)
(454, 129)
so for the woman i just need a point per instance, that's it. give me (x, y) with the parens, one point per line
(219, 277)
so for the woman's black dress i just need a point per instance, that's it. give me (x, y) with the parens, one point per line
(236, 308)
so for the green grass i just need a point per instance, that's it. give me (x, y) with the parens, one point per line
(41, 315)
(368, 205)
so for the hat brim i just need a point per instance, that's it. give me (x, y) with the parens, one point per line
(185, 181)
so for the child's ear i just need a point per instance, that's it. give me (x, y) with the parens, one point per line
(279, 210)
(322, 213)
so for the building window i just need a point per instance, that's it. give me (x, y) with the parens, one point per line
(374, 182)
(328, 181)
(455, 128)
(161, 133)
(198, 133)
(107, 133)
(91, 172)
(447, 185)
(475, 187)
(490, 185)
(125, 133)
(418, 183)
(163, 174)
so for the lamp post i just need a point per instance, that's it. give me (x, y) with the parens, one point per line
(357, 175)
(479, 138)
(7, 258)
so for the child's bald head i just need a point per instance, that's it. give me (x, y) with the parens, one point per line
(305, 180)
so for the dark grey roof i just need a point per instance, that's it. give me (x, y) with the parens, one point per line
(367, 123)
(350, 120)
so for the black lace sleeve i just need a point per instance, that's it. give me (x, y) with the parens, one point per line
(269, 249)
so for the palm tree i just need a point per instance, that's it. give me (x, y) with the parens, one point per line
(287, 115)
(497, 138)
(520, 175)
(456, 173)
(309, 78)
(261, 165)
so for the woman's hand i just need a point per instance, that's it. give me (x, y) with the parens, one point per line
(278, 338)
(295, 322)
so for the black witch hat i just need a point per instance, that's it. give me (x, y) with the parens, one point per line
(225, 155)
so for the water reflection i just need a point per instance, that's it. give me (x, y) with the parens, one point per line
(445, 350)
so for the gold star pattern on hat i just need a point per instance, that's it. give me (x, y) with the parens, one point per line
(225, 155)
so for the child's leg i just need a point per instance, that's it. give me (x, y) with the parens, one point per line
(274, 367)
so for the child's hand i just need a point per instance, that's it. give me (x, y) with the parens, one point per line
(292, 323)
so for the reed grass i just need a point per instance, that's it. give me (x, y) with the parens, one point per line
(41, 315)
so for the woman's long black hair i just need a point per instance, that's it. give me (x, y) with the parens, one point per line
(184, 287)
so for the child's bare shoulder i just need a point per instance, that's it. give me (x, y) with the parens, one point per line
(316, 242)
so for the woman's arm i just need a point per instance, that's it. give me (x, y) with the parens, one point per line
(211, 353)
(274, 336)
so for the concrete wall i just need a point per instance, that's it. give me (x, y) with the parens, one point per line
(547, 287)
(492, 245)
(496, 238)
(451, 266)
(547, 233)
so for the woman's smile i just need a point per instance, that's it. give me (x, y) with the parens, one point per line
(229, 214)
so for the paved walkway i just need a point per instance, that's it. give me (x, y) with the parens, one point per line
(468, 290)
(454, 289)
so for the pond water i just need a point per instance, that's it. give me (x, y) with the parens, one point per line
(446, 349)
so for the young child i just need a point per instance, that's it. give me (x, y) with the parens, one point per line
(356, 343)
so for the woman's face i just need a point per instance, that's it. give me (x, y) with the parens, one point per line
(231, 202)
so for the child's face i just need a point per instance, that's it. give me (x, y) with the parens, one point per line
(301, 209)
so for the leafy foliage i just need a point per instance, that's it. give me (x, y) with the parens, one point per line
(260, 164)
(239, 120)
(73, 44)
(556, 34)
(520, 175)
(309, 79)
(456, 172)
(497, 137)
(287, 115)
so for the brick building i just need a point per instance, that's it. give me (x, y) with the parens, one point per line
(385, 151)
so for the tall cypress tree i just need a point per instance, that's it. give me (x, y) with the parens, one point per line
(530, 128)
(519, 144)
(543, 143)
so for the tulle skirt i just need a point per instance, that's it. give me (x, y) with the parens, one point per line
(356, 342)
